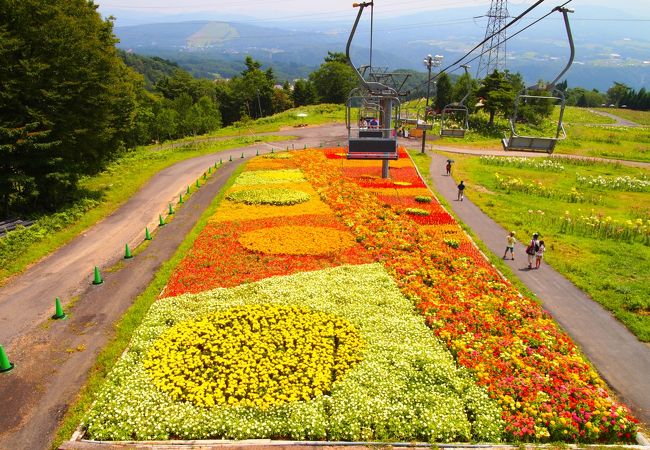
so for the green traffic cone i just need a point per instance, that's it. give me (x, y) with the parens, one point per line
(187, 192)
(147, 235)
(161, 221)
(272, 150)
(242, 155)
(210, 169)
(127, 252)
(215, 164)
(58, 311)
(257, 152)
(220, 161)
(230, 158)
(171, 209)
(197, 184)
(205, 176)
(5, 365)
(305, 148)
(180, 199)
(98, 278)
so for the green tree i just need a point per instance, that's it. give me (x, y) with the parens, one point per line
(498, 94)
(304, 93)
(444, 92)
(63, 83)
(616, 93)
(334, 79)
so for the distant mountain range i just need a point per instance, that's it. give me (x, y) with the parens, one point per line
(610, 45)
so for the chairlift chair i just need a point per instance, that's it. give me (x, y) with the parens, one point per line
(456, 113)
(378, 143)
(517, 142)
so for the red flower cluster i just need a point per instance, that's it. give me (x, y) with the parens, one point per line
(547, 390)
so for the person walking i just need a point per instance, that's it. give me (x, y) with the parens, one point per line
(531, 250)
(448, 167)
(510, 245)
(540, 254)
(461, 191)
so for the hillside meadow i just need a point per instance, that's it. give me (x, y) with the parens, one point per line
(593, 216)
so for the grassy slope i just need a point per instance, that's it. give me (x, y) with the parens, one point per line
(614, 273)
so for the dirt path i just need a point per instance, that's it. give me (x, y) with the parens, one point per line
(621, 359)
(620, 122)
(52, 358)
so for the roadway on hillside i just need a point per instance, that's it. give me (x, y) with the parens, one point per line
(52, 358)
(621, 359)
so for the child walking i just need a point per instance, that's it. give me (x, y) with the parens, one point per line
(510, 245)
(539, 254)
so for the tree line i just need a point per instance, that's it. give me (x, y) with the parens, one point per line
(70, 102)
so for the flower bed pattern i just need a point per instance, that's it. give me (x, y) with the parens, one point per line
(520, 377)
(278, 197)
(256, 355)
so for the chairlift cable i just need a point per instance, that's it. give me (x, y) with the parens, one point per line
(511, 36)
(509, 24)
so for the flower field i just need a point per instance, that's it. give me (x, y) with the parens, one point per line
(322, 302)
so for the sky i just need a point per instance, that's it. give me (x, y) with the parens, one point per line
(269, 10)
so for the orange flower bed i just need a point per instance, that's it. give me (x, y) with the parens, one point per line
(297, 240)
(218, 259)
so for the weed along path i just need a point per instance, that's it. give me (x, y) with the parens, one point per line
(622, 360)
(52, 358)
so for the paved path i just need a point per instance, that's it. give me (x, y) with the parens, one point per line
(621, 359)
(620, 122)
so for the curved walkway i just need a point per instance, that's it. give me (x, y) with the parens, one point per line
(621, 359)
(620, 122)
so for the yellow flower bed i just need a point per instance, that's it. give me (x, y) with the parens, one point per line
(255, 355)
(276, 197)
(254, 177)
(297, 240)
(270, 164)
(231, 211)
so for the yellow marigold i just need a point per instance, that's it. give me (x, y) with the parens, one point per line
(255, 355)
(297, 240)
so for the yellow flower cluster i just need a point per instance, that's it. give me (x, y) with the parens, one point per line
(297, 240)
(231, 211)
(255, 355)
(277, 197)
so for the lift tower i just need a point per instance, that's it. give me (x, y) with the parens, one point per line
(493, 53)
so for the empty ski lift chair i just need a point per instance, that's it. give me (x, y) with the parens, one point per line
(517, 142)
(376, 143)
(454, 110)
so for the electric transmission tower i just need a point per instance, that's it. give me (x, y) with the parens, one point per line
(493, 53)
